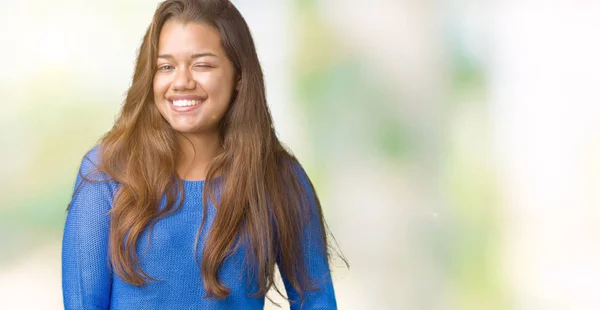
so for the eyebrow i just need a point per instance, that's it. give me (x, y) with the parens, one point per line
(198, 55)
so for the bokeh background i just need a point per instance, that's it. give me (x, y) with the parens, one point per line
(455, 144)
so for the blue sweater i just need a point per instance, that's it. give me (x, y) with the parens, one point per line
(88, 282)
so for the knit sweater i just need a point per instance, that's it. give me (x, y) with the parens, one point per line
(89, 283)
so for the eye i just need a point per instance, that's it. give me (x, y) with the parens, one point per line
(202, 65)
(165, 68)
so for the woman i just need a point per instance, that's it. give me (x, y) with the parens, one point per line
(190, 200)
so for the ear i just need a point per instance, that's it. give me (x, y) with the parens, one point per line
(237, 84)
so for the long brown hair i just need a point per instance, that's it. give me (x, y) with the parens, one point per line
(263, 203)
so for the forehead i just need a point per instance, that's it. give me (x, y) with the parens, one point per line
(177, 37)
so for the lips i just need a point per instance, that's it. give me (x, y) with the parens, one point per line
(185, 103)
(185, 97)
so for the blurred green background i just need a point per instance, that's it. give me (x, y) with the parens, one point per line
(454, 144)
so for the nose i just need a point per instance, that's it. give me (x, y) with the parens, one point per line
(183, 80)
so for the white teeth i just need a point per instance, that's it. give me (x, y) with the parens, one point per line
(185, 103)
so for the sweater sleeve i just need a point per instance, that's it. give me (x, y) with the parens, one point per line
(86, 276)
(315, 257)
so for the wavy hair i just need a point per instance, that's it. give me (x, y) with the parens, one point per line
(262, 202)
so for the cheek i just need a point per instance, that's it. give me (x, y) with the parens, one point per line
(160, 86)
(217, 85)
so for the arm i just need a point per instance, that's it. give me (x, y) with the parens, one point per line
(86, 276)
(315, 258)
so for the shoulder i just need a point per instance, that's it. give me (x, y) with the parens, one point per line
(91, 159)
(297, 172)
(89, 168)
(93, 192)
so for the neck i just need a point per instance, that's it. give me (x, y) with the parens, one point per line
(198, 151)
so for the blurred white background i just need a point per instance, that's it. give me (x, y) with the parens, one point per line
(455, 145)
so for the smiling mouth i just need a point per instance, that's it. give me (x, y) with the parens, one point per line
(185, 103)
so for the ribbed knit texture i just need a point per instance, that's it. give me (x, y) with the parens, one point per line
(88, 282)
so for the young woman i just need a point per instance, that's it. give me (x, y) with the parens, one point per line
(190, 200)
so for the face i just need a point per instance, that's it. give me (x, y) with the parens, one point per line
(194, 79)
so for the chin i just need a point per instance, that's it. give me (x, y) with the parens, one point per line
(187, 128)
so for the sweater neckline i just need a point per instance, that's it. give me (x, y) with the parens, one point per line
(200, 182)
